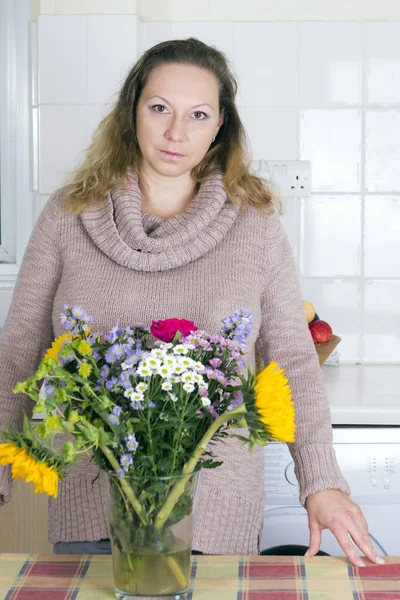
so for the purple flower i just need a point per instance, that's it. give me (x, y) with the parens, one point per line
(120, 473)
(96, 354)
(105, 372)
(136, 405)
(203, 393)
(114, 353)
(215, 362)
(124, 378)
(81, 315)
(125, 461)
(113, 419)
(220, 376)
(117, 410)
(238, 325)
(131, 442)
(237, 398)
(212, 411)
(111, 336)
(110, 383)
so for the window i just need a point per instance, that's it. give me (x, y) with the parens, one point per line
(15, 189)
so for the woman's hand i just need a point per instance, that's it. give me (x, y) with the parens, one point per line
(334, 510)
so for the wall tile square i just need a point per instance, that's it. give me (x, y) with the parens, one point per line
(382, 161)
(272, 132)
(62, 141)
(331, 139)
(382, 321)
(382, 236)
(267, 77)
(62, 59)
(330, 236)
(154, 33)
(338, 303)
(330, 72)
(382, 50)
(112, 52)
(290, 220)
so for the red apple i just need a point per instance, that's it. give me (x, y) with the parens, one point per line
(321, 332)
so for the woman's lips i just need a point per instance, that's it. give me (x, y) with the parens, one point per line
(171, 154)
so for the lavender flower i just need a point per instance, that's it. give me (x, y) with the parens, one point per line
(238, 326)
(117, 410)
(110, 383)
(113, 419)
(131, 442)
(125, 461)
(215, 362)
(124, 379)
(114, 353)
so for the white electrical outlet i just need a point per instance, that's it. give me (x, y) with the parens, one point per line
(292, 177)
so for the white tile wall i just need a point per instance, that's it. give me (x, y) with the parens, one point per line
(324, 91)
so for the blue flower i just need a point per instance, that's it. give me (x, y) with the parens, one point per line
(131, 442)
(114, 353)
(125, 461)
(113, 419)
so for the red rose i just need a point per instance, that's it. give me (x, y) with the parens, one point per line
(166, 330)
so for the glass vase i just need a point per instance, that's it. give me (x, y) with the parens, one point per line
(150, 523)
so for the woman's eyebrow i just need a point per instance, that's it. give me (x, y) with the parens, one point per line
(203, 104)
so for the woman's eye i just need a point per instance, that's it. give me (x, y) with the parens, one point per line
(200, 112)
(158, 106)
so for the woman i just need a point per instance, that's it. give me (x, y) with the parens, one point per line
(142, 234)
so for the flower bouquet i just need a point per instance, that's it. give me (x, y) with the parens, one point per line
(145, 405)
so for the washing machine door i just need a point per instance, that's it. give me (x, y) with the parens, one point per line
(286, 532)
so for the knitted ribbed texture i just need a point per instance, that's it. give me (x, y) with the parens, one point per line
(129, 267)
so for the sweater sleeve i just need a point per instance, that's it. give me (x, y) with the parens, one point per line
(28, 330)
(284, 337)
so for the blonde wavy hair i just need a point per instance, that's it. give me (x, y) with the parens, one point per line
(114, 146)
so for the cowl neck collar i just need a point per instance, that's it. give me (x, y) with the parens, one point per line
(150, 243)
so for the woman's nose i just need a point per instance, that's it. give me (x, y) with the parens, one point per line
(175, 130)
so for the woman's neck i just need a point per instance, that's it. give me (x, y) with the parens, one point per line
(165, 198)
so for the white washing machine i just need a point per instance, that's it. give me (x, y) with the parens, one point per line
(369, 458)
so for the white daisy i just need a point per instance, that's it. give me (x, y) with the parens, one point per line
(171, 361)
(198, 366)
(166, 385)
(144, 370)
(153, 362)
(188, 387)
(141, 387)
(180, 349)
(205, 401)
(158, 353)
(164, 371)
(187, 377)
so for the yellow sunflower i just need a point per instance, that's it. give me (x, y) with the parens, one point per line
(25, 466)
(57, 345)
(273, 399)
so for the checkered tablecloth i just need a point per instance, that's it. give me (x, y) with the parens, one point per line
(89, 577)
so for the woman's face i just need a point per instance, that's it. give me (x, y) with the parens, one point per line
(178, 111)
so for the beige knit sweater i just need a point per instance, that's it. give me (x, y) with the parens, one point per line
(122, 265)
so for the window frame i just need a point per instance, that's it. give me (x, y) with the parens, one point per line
(15, 127)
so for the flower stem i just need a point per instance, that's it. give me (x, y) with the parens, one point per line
(130, 494)
(189, 467)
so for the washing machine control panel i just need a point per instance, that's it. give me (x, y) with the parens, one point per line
(371, 470)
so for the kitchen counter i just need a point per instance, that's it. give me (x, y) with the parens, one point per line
(363, 394)
(84, 577)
